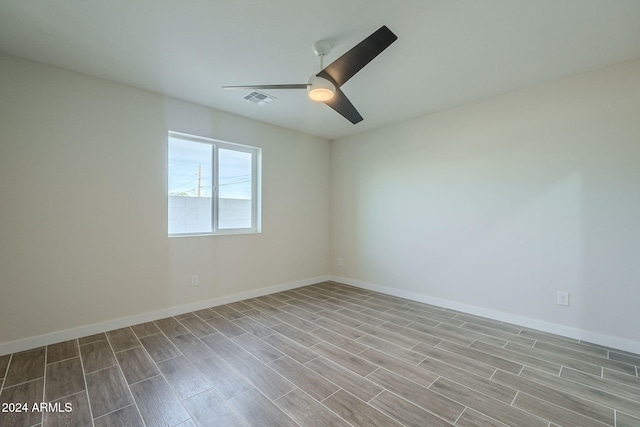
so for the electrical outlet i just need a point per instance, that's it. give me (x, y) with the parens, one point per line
(563, 298)
(339, 261)
(194, 280)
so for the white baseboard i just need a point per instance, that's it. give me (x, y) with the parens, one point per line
(541, 325)
(81, 331)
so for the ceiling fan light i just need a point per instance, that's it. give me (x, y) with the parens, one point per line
(320, 89)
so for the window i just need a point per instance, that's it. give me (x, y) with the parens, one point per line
(213, 186)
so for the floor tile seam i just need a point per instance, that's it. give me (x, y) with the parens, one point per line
(365, 403)
(6, 373)
(396, 357)
(581, 347)
(320, 402)
(413, 322)
(391, 342)
(200, 373)
(460, 403)
(477, 361)
(414, 404)
(353, 354)
(284, 321)
(92, 342)
(223, 316)
(602, 368)
(44, 386)
(22, 383)
(555, 358)
(528, 364)
(86, 386)
(272, 401)
(63, 360)
(415, 330)
(403, 376)
(324, 301)
(637, 386)
(258, 361)
(383, 389)
(508, 357)
(125, 378)
(583, 395)
(588, 360)
(475, 390)
(103, 368)
(470, 374)
(168, 338)
(436, 318)
(116, 410)
(515, 396)
(485, 324)
(614, 393)
(462, 413)
(306, 301)
(340, 323)
(42, 347)
(364, 322)
(209, 390)
(224, 401)
(145, 379)
(564, 408)
(616, 350)
(184, 315)
(410, 401)
(484, 334)
(337, 363)
(124, 349)
(127, 349)
(538, 416)
(567, 394)
(634, 363)
(615, 416)
(330, 380)
(611, 350)
(283, 354)
(433, 317)
(345, 337)
(44, 381)
(489, 397)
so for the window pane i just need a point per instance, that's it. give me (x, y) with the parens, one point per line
(190, 186)
(235, 183)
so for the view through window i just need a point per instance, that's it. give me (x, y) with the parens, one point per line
(213, 186)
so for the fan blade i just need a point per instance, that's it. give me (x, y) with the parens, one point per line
(343, 106)
(343, 68)
(291, 86)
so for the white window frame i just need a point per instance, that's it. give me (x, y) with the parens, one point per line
(256, 184)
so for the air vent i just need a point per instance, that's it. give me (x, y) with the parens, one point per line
(259, 98)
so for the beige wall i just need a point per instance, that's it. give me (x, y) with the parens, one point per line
(83, 210)
(497, 205)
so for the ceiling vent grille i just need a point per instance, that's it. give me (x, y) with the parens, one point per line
(259, 98)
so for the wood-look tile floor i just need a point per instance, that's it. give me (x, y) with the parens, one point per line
(322, 355)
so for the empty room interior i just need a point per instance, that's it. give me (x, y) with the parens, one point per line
(291, 213)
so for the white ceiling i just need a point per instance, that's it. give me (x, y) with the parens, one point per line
(448, 52)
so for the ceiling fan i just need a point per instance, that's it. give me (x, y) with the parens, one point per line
(325, 86)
